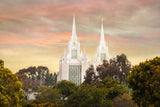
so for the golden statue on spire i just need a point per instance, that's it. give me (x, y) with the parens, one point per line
(101, 19)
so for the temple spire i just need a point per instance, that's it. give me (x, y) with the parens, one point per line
(74, 35)
(102, 32)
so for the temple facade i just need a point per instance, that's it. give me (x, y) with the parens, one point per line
(74, 63)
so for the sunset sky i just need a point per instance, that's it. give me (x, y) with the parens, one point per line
(36, 32)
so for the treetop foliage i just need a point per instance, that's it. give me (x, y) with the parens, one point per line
(34, 72)
(66, 88)
(124, 100)
(48, 95)
(98, 95)
(145, 82)
(116, 68)
(11, 94)
(1, 63)
(32, 77)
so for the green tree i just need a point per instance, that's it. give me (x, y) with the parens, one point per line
(50, 79)
(46, 104)
(48, 95)
(42, 72)
(124, 67)
(34, 73)
(98, 95)
(11, 94)
(33, 77)
(117, 68)
(112, 86)
(66, 88)
(26, 83)
(124, 100)
(87, 96)
(90, 75)
(145, 83)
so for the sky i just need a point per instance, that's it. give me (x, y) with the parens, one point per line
(36, 32)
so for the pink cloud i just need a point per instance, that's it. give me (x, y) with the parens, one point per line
(57, 10)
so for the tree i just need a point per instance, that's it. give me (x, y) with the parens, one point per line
(117, 68)
(26, 83)
(42, 72)
(124, 67)
(98, 95)
(35, 73)
(1, 63)
(89, 75)
(32, 77)
(11, 94)
(104, 70)
(145, 83)
(112, 86)
(46, 104)
(66, 88)
(87, 96)
(48, 95)
(50, 79)
(124, 100)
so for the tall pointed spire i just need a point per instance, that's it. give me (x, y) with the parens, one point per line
(74, 35)
(102, 32)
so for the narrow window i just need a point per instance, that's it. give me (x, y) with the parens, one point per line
(103, 56)
(74, 54)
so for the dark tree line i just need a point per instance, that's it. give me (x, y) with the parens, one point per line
(34, 73)
(32, 77)
(117, 68)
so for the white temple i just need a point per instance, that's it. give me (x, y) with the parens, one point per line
(102, 50)
(73, 63)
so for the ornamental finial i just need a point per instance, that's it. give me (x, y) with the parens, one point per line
(102, 20)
